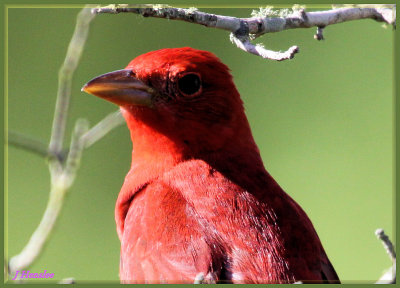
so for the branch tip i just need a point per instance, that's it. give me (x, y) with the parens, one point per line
(243, 42)
(387, 244)
(67, 281)
(319, 34)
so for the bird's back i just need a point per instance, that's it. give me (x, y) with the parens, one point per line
(194, 219)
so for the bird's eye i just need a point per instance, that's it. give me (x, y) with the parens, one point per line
(189, 84)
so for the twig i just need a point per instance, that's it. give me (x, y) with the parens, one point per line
(60, 183)
(387, 244)
(319, 35)
(242, 28)
(258, 50)
(75, 151)
(62, 176)
(102, 128)
(97, 132)
(71, 61)
(389, 277)
(67, 281)
(27, 143)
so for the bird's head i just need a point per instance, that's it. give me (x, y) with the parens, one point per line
(184, 94)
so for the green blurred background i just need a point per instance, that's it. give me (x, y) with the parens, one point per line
(323, 122)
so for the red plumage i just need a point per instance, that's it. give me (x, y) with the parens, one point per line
(197, 198)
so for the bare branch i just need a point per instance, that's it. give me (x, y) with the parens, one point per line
(32, 145)
(71, 61)
(75, 151)
(242, 28)
(259, 50)
(102, 128)
(387, 244)
(61, 177)
(60, 183)
(39, 237)
(97, 132)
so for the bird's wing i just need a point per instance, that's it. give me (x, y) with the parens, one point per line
(328, 273)
(299, 229)
(232, 216)
(195, 220)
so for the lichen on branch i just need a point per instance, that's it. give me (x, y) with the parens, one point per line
(266, 20)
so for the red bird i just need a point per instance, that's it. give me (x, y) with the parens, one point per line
(197, 199)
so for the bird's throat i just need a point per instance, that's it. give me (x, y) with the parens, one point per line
(154, 153)
(150, 147)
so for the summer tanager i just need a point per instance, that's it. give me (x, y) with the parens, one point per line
(197, 200)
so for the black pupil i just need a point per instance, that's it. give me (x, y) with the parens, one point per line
(189, 84)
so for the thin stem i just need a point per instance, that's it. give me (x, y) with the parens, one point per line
(76, 149)
(71, 61)
(102, 128)
(61, 177)
(27, 143)
(38, 238)
(35, 146)
(60, 184)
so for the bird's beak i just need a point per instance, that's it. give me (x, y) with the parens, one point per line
(121, 88)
